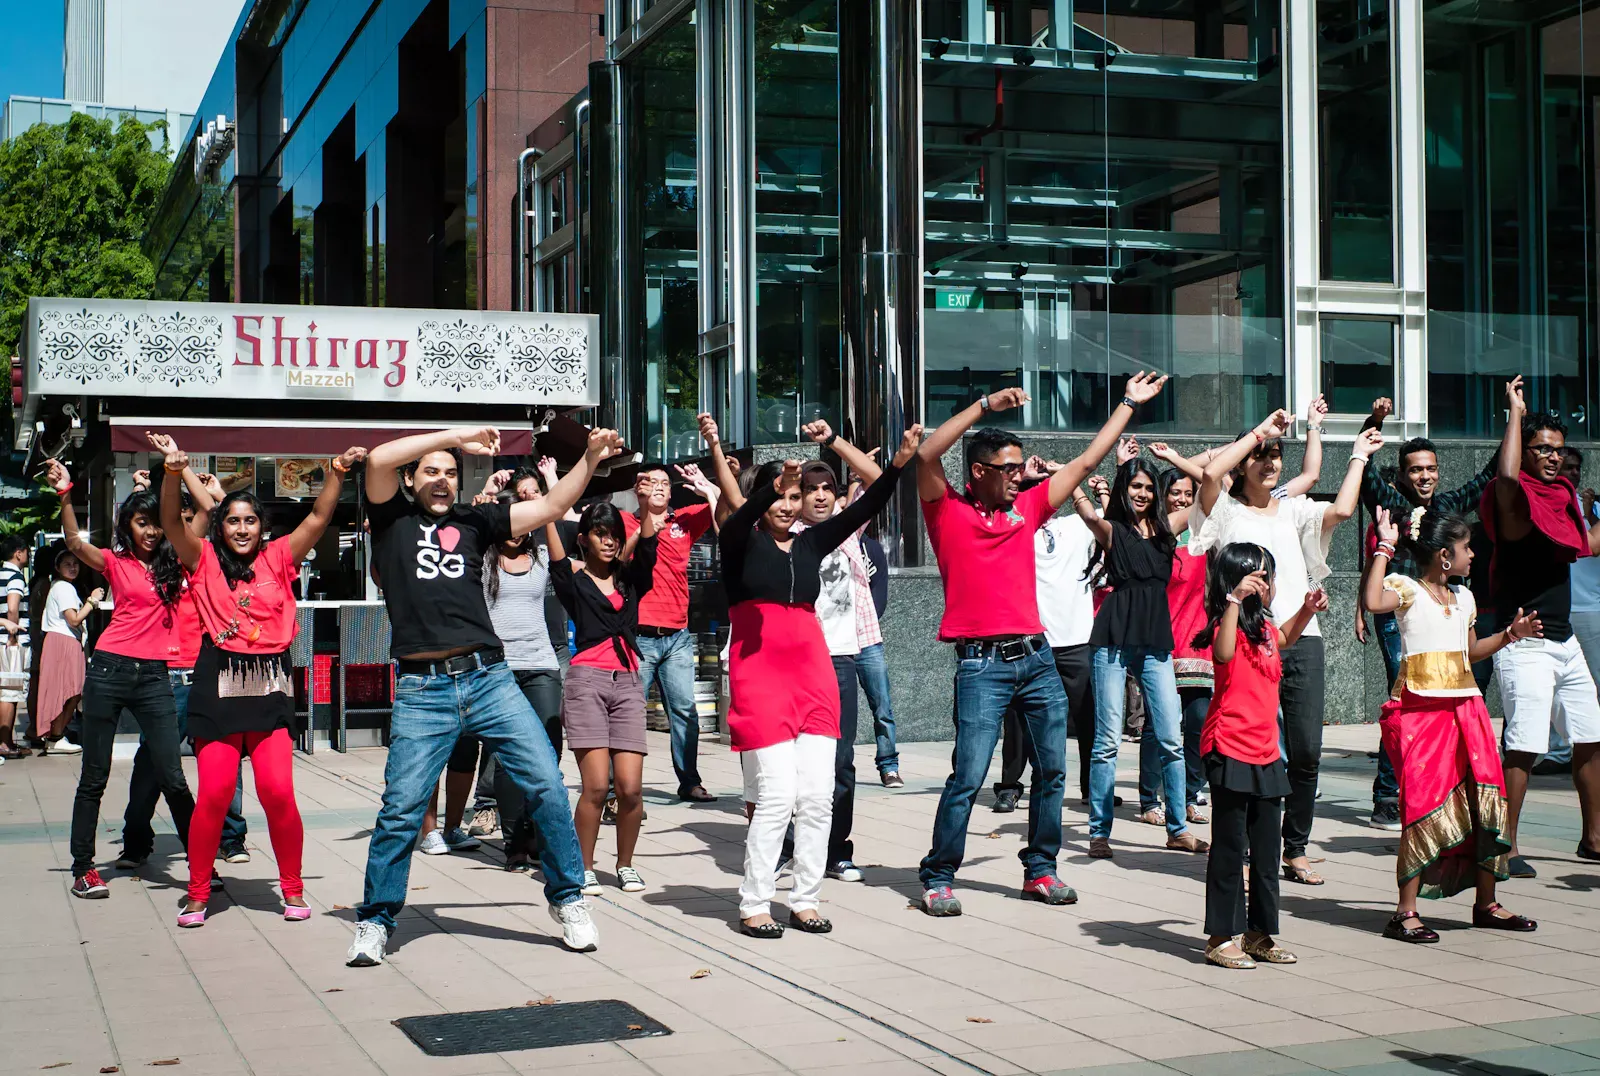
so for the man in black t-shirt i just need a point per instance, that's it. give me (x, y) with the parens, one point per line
(451, 674)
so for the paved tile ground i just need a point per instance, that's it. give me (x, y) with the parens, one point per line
(1113, 985)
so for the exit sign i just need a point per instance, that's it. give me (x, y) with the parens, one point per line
(957, 299)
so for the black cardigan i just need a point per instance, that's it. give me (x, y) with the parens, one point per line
(594, 618)
(755, 569)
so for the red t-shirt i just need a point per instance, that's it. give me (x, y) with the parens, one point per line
(257, 617)
(986, 563)
(1243, 721)
(1186, 597)
(604, 655)
(667, 603)
(142, 626)
(189, 630)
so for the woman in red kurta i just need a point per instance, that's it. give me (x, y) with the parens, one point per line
(242, 698)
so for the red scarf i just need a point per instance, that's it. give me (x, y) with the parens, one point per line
(1553, 507)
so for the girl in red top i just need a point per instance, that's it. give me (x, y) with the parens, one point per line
(129, 667)
(241, 701)
(1241, 754)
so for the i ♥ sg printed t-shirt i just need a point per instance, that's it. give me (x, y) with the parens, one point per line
(431, 571)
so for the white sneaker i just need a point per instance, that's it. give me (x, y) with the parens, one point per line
(62, 747)
(433, 844)
(460, 840)
(367, 950)
(629, 879)
(591, 884)
(578, 931)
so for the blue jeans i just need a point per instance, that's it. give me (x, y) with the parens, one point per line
(873, 672)
(144, 790)
(1164, 718)
(1385, 787)
(430, 714)
(1196, 702)
(984, 688)
(669, 660)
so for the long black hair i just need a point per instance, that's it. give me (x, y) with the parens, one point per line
(1168, 478)
(236, 569)
(1436, 531)
(491, 564)
(1226, 568)
(165, 571)
(605, 516)
(1121, 510)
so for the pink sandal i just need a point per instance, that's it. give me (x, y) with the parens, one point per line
(192, 919)
(294, 913)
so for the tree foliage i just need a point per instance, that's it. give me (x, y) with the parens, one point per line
(75, 199)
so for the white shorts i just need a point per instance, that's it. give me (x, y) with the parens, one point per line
(1544, 683)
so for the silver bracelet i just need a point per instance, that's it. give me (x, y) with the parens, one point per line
(1356, 457)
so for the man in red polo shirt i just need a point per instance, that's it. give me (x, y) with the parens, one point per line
(666, 648)
(983, 539)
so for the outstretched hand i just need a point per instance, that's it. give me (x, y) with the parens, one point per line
(1316, 411)
(1143, 387)
(1254, 585)
(1525, 626)
(708, 428)
(1316, 600)
(1388, 529)
(1368, 443)
(1514, 398)
(480, 440)
(1007, 399)
(1127, 450)
(604, 443)
(910, 441)
(56, 473)
(174, 458)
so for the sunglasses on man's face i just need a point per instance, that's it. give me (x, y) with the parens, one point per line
(1548, 450)
(1011, 469)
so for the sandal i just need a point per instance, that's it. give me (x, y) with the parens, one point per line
(1188, 842)
(1415, 935)
(1487, 920)
(1268, 952)
(1302, 875)
(814, 925)
(1155, 816)
(1216, 956)
(1195, 816)
(766, 931)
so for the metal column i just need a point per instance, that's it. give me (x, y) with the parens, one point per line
(880, 244)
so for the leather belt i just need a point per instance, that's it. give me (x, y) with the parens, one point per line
(651, 631)
(1013, 649)
(461, 663)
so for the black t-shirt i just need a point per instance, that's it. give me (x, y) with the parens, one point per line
(431, 571)
(1534, 576)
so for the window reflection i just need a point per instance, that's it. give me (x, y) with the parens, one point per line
(1354, 136)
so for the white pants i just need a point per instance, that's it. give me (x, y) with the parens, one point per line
(789, 780)
(1545, 683)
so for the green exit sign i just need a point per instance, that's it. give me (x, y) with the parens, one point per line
(957, 299)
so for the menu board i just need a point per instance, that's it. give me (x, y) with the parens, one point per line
(300, 476)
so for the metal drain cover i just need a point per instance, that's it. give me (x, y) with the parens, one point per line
(529, 1027)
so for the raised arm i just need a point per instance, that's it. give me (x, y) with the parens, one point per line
(1141, 388)
(736, 530)
(1374, 595)
(732, 498)
(77, 544)
(531, 515)
(831, 532)
(1226, 641)
(930, 471)
(185, 542)
(1224, 460)
(696, 480)
(1344, 505)
(1512, 520)
(1190, 468)
(385, 461)
(305, 537)
(1097, 523)
(855, 459)
(1316, 602)
(642, 557)
(76, 617)
(1311, 468)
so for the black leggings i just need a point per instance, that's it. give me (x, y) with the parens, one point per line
(1239, 821)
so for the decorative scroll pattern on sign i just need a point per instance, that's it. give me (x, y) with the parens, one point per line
(459, 355)
(177, 350)
(83, 345)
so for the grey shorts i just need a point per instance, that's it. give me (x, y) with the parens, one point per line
(603, 709)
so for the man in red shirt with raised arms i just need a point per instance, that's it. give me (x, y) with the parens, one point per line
(983, 539)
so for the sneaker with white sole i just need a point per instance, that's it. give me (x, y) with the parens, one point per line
(89, 886)
(62, 747)
(578, 931)
(235, 855)
(484, 822)
(591, 884)
(845, 871)
(432, 844)
(460, 840)
(629, 880)
(367, 949)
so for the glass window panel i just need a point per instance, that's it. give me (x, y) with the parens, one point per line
(798, 330)
(1357, 363)
(1355, 139)
(664, 247)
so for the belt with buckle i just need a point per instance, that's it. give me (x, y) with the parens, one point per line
(651, 631)
(182, 676)
(461, 663)
(1012, 649)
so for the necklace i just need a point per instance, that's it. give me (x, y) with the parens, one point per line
(1439, 598)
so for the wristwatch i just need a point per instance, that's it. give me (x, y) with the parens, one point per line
(983, 401)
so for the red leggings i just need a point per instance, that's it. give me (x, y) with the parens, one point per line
(272, 762)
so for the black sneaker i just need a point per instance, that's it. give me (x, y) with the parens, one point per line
(1005, 801)
(1386, 815)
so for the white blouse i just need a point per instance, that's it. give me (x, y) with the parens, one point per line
(1293, 535)
(1433, 640)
